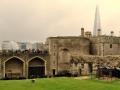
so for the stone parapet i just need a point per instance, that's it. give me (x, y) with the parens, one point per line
(105, 39)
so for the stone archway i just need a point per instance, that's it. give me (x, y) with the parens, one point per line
(64, 55)
(64, 58)
(14, 67)
(36, 67)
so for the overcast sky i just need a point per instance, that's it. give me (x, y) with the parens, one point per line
(35, 20)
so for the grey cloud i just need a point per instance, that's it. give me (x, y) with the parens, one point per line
(35, 20)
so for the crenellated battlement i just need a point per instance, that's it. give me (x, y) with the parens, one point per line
(105, 39)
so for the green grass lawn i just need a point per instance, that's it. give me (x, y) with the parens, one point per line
(61, 83)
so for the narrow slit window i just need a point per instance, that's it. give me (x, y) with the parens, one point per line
(110, 45)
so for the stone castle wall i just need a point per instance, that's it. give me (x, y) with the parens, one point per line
(19, 63)
(105, 45)
(92, 62)
(111, 49)
(104, 39)
(78, 55)
(61, 49)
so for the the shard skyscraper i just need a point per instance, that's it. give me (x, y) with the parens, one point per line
(97, 24)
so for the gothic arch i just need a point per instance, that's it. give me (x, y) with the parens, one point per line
(32, 70)
(37, 57)
(5, 65)
(64, 52)
(64, 48)
(13, 57)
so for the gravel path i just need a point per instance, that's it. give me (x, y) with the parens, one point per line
(82, 77)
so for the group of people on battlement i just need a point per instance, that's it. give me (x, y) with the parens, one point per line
(19, 51)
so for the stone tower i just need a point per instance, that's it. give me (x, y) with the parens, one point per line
(97, 24)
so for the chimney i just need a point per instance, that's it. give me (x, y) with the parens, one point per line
(87, 34)
(82, 32)
(90, 34)
(112, 33)
(99, 31)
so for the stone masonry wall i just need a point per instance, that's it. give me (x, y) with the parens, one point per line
(114, 49)
(53, 51)
(96, 61)
(76, 45)
(94, 49)
(61, 49)
(105, 45)
(21, 61)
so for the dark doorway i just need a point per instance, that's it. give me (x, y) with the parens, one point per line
(80, 71)
(36, 71)
(53, 71)
(36, 68)
(90, 67)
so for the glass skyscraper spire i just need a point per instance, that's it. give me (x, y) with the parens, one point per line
(97, 24)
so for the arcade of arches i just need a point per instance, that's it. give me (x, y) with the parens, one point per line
(16, 67)
(29, 65)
